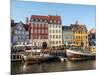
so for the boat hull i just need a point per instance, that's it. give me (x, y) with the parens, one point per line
(74, 55)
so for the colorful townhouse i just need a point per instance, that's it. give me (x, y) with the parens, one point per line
(46, 29)
(19, 33)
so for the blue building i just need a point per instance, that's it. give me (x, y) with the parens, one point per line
(19, 33)
(67, 35)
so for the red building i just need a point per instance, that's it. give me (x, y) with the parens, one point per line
(39, 28)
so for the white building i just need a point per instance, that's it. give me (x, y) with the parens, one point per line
(54, 31)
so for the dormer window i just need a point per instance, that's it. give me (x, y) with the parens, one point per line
(58, 22)
(54, 21)
(45, 20)
(40, 20)
(36, 20)
(50, 21)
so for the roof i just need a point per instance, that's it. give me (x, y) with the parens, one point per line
(78, 27)
(13, 23)
(56, 18)
(39, 17)
(48, 18)
(66, 28)
(93, 31)
(26, 26)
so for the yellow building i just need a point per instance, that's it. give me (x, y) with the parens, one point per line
(80, 35)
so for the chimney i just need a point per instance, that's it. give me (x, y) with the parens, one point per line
(27, 20)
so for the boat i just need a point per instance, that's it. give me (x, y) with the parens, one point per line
(79, 55)
(35, 56)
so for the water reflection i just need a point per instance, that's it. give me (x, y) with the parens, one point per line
(19, 68)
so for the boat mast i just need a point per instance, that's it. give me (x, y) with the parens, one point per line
(31, 38)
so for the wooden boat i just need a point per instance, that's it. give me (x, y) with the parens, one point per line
(35, 56)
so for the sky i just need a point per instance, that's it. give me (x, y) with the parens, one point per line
(70, 13)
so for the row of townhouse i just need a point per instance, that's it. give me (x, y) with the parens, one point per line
(49, 29)
(75, 34)
(46, 29)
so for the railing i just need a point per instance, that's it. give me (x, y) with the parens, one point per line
(16, 57)
(19, 56)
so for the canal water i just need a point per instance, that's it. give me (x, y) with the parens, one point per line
(18, 68)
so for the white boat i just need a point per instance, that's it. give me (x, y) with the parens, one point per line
(79, 55)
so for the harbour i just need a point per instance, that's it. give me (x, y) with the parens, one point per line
(42, 61)
(44, 42)
(55, 66)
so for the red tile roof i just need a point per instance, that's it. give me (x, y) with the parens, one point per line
(48, 18)
(39, 17)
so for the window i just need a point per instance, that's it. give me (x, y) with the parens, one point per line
(56, 36)
(42, 30)
(35, 25)
(46, 37)
(34, 43)
(56, 42)
(56, 26)
(86, 42)
(59, 36)
(59, 31)
(50, 21)
(38, 30)
(59, 42)
(40, 20)
(53, 31)
(54, 21)
(43, 37)
(22, 32)
(86, 37)
(16, 31)
(53, 36)
(46, 25)
(51, 26)
(35, 31)
(56, 31)
(46, 31)
(45, 20)
(50, 31)
(36, 20)
(53, 42)
(58, 22)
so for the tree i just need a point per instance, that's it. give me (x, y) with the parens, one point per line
(44, 45)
